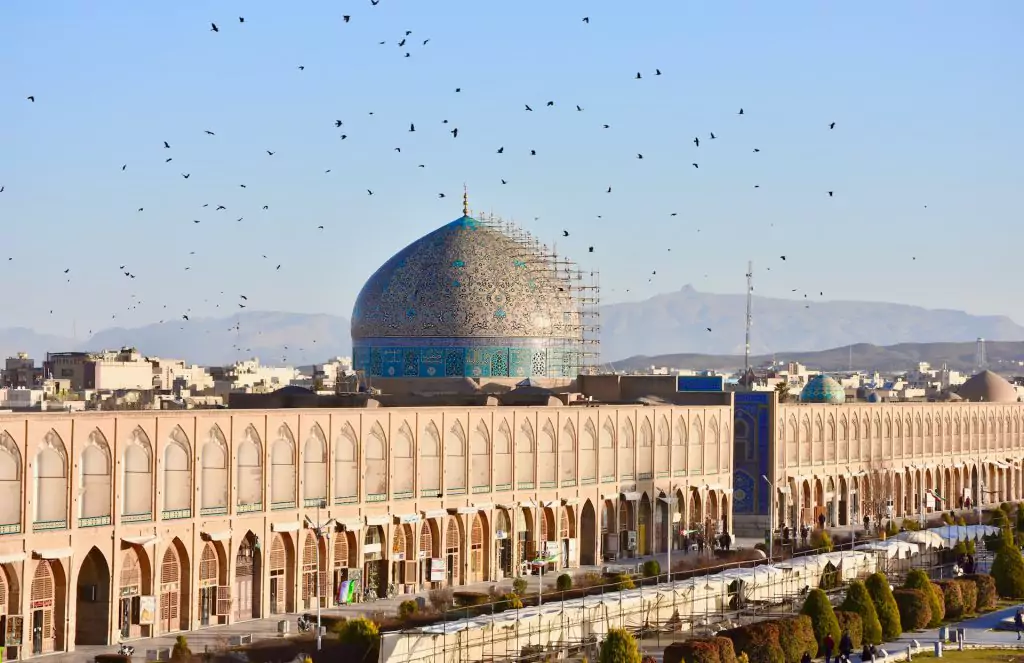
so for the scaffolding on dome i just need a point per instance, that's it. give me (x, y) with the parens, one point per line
(581, 351)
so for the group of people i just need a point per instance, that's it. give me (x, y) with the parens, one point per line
(828, 645)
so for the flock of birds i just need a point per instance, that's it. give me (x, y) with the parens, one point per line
(405, 42)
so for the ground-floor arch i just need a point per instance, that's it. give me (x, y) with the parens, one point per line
(282, 574)
(503, 542)
(175, 589)
(588, 535)
(346, 568)
(453, 552)
(135, 620)
(314, 571)
(214, 591)
(479, 548)
(46, 618)
(92, 604)
(248, 579)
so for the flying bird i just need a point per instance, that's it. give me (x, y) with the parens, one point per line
(551, 103)
(783, 257)
(829, 194)
(586, 19)
(209, 133)
(337, 123)
(528, 107)
(214, 28)
(639, 156)
(167, 145)
(440, 195)
(369, 193)
(832, 125)
(696, 141)
(578, 107)
(270, 153)
(124, 166)
(638, 76)
(412, 127)
(501, 150)
(741, 112)
(590, 249)
(455, 132)
(533, 153)
(346, 18)
(565, 233)
(302, 67)
(31, 98)
(424, 43)
(609, 189)
(712, 135)
(185, 175)
(241, 19)
(657, 72)
(695, 166)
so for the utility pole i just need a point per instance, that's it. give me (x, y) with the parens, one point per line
(318, 528)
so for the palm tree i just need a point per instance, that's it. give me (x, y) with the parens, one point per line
(782, 389)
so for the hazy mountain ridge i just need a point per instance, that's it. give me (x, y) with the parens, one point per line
(651, 330)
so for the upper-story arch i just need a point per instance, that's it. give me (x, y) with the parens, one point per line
(695, 456)
(94, 502)
(137, 478)
(607, 458)
(455, 459)
(645, 453)
(679, 447)
(314, 466)
(711, 446)
(662, 447)
(546, 458)
(51, 483)
(177, 488)
(525, 456)
(376, 474)
(403, 463)
(282, 469)
(567, 454)
(213, 456)
(480, 457)
(249, 472)
(588, 452)
(627, 450)
(503, 457)
(430, 461)
(10, 481)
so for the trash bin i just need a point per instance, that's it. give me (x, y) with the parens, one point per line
(282, 627)
(938, 649)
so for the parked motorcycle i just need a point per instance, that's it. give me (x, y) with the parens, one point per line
(305, 625)
(126, 650)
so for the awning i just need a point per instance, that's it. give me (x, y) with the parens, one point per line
(351, 524)
(375, 521)
(717, 487)
(406, 518)
(669, 499)
(53, 553)
(222, 535)
(632, 496)
(435, 513)
(294, 526)
(144, 540)
(528, 504)
(485, 506)
(570, 501)
(7, 558)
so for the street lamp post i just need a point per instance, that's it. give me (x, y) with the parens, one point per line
(771, 518)
(318, 527)
(670, 500)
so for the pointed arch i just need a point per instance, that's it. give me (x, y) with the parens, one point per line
(695, 456)
(830, 439)
(645, 449)
(546, 455)
(346, 465)
(588, 453)
(213, 473)
(711, 443)
(430, 461)
(137, 483)
(247, 595)
(503, 457)
(282, 469)
(249, 472)
(403, 464)
(567, 455)
(177, 458)
(525, 446)
(455, 459)
(95, 485)
(546, 445)
(50, 468)
(679, 447)
(314, 466)
(480, 458)
(10, 481)
(627, 453)
(376, 464)
(607, 457)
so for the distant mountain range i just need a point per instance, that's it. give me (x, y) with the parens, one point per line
(648, 332)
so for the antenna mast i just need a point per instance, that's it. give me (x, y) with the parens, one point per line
(980, 360)
(750, 314)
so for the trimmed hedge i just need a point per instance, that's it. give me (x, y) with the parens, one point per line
(850, 622)
(651, 568)
(953, 599)
(619, 646)
(987, 595)
(726, 652)
(469, 599)
(858, 601)
(915, 609)
(796, 637)
(918, 579)
(823, 619)
(969, 592)
(701, 650)
(760, 641)
(564, 582)
(1008, 573)
(885, 605)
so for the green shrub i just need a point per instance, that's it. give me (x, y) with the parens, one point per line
(407, 609)
(519, 586)
(619, 646)
(885, 605)
(1008, 573)
(914, 607)
(797, 637)
(726, 652)
(623, 581)
(972, 548)
(858, 601)
(969, 592)
(823, 618)
(651, 568)
(911, 525)
(960, 548)
(850, 622)
(995, 543)
(891, 530)
(760, 641)
(947, 518)
(564, 582)
(694, 650)
(466, 599)
(821, 540)
(181, 652)
(509, 601)
(952, 598)
(361, 634)
(987, 595)
(918, 579)
(960, 521)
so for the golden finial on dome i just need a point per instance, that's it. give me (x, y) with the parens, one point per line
(465, 200)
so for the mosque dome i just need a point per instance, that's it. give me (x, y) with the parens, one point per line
(823, 389)
(987, 387)
(466, 300)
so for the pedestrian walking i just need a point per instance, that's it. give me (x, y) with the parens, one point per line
(828, 644)
(1018, 621)
(846, 645)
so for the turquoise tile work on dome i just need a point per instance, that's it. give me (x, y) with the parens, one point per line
(823, 389)
(484, 361)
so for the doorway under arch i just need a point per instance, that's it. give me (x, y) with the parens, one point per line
(282, 574)
(588, 535)
(479, 549)
(46, 620)
(92, 624)
(248, 580)
(174, 589)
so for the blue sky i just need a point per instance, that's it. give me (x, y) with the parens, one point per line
(925, 96)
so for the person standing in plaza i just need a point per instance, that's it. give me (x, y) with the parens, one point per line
(1018, 621)
(827, 645)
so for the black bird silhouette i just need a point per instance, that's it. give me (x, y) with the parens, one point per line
(369, 193)
(741, 112)
(696, 141)
(607, 126)
(346, 18)
(266, 207)
(31, 98)
(533, 153)
(167, 145)
(344, 136)
(590, 249)
(712, 135)
(501, 150)
(124, 166)
(302, 67)
(374, 2)
(220, 207)
(209, 133)
(337, 123)
(551, 103)
(140, 209)
(242, 185)
(408, 32)
(241, 19)
(528, 107)
(565, 233)
(425, 41)
(408, 55)
(696, 166)
(320, 227)
(586, 19)
(783, 257)
(401, 43)
(504, 182)
(412, 127)
(829, 194)
(185, 175)
(638, 76)
(169, 159)
(455, 132)
(756, 150)
(398, 149)
(214, 28)
(184, 317)
(270, 153)
(639, 156)
(708, 328)
(440, 195)
(578, 107)
(657, 72)
(832, 126)
(458, 89)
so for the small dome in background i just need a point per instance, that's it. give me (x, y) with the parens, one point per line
(873, 397)
(823, 389)
(987, 387)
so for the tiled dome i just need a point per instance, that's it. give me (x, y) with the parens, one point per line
(823, 389)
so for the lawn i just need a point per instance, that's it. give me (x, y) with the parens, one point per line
(977, 656)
